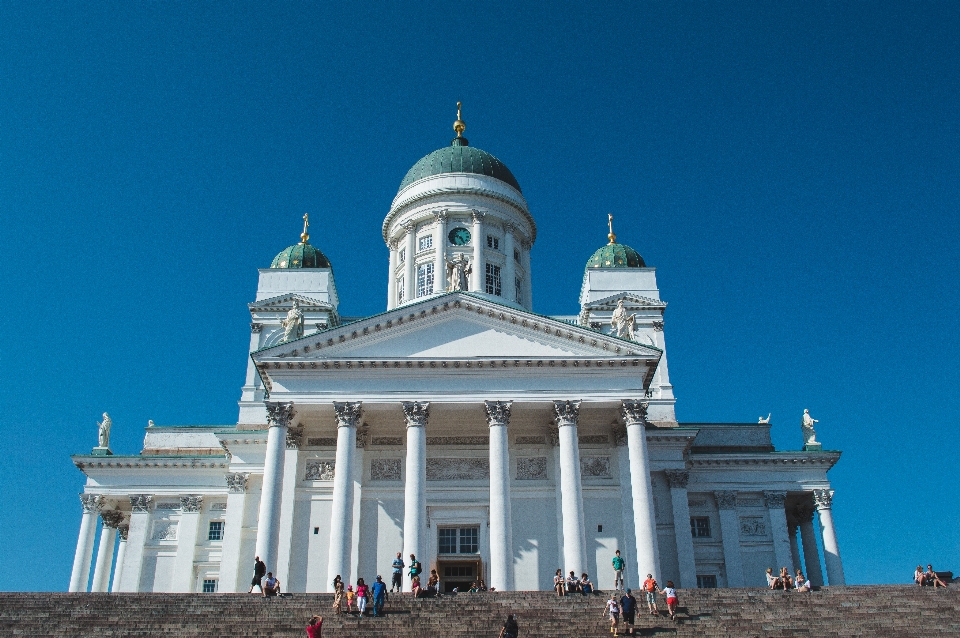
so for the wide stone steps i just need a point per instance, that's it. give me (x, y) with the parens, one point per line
(832, 611)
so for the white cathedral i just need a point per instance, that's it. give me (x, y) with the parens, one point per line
(458, 425)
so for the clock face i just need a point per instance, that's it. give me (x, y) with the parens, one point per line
(459, 236)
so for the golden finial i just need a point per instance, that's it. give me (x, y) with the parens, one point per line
(459, 126)
(611, 236)
(306, 223)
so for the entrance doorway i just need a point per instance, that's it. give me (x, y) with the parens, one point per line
(459, 573)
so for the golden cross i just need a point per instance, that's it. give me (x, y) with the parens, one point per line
(306, 223)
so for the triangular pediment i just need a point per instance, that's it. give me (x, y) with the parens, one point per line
(283, 303)
(457, 325)
(630, 302)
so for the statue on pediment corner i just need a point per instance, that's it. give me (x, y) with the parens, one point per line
(103, 431)
(806, 425)
(623, 324)
(293, 324)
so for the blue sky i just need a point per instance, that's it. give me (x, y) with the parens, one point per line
(791, 169)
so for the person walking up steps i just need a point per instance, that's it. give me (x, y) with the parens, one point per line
(672, 600)
(618, 565)
(397, 582)
(510, 628)
(650, 589)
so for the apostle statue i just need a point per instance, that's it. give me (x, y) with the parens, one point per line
(806, 424)
(622, 324)
(459, 270)
(293, 324)
(103, 433)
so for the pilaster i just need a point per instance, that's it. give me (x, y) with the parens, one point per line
(678, 480)
(778, 527)
(230, 563)
(140, 505)
(730, 532)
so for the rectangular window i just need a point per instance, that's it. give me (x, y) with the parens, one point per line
(493, 242)
(400, 290)
(706, 581)
(700, 526)
(209, 585)
(448, 540)
(516, 255)
(425, 279)
(469, 540)
(519, 290)
(424, 243)
(215, 533)
(458, 540)
(493, 280)
(402, 255)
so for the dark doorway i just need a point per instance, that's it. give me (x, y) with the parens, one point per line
(458, 573)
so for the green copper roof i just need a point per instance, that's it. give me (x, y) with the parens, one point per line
(616, 256)
(459, 158)
(300, 255)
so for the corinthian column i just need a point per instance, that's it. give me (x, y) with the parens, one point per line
(440, 258)
(415, 488)
(91, 505)
(644, 518)
(501, 528)
(566, 414)
(409, 272)
(279, 416)
(122, 530)
(479, 274)
(136, 540)
(108, 538)
(778, 526)
(341, 515)
(730, 533)
(392, 281)
(811, 555)
(831, 550)
(678, 480)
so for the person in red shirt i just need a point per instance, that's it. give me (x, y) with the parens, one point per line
(315, 626)
(650, 588)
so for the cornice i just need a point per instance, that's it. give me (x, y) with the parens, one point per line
(197, 462)
(782, 459)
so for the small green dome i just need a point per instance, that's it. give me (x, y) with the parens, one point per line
(301, 255)
(616, 256)
(459, 158)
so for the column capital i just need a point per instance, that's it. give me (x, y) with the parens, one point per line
(726, 499)
(294, 438)
(123, 529)
(678, 478)
(393, 244)
(658, 326)
(112, 518)
(140, 502)
(477, 216)
(566, 412)
(279, 414)
(256, 328)
(237, 482)
(91, 503)
(191, 504)
(440, 215)
(417, 413)
(349, 414)
(498, 412)
(634, 412)
(774, 500)
(823, 499)
(408, 226)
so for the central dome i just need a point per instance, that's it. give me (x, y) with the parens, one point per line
(460, 158)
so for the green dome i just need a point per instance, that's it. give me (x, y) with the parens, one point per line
(301, 255)
(616, 256)
(459, 158)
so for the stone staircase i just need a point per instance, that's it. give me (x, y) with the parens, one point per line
(833, 611)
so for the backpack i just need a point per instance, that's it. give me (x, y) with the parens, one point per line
(415, 568)
(650, 584)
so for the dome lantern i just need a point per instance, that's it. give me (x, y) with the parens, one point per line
(301, 255)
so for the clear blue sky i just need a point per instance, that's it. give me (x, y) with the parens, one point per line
(791, 169)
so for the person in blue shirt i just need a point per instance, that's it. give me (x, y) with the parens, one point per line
(397, 582)
(379, 596)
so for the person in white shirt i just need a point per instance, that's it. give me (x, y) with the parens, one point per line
(613, 609)
(671, 595)
(802, 583)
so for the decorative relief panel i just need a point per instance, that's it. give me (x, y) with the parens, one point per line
(532, 469)
(530, 440)
(458, 440)
(471, 469)
(385, 469)
(749, 502)
(219, 507)
(167, 505)
(164, 531)
(752, 526)
(387, 440)
(593, 438)
(320, 470)
(595, 466)
(697, 502)
(323, 441)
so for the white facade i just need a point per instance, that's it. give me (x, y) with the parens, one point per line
(492, 442)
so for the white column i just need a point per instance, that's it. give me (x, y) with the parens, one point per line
(510, 267)
(778, 527)
(268, 521)
(811, 555)
(678, 480)
(730, 531)
(232, 563)
(644, 517)
(525, 247)
(122, 530)
(392, 281)
(288, 505)
(136, 539)
(357, 483)
(439, 245)
(831, 550)
(341, 514)
(501, 526)
(628, 547)
(183, 580)
(410, 281)
(415, 494)
(108, 539)
(479, 273)
(566, 414)
(91, 505)
(794, 547)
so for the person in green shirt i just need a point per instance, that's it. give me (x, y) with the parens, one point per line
(618, 566)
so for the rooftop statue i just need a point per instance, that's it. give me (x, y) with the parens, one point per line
(103, 433)
(622, 324)
(765, 420)
(806, 424)
(293, 324)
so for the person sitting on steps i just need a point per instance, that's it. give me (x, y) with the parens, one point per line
(586, 587)
(271, 586)
(558, 584)
(772, 581)
(932, 578)
(573, 584)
